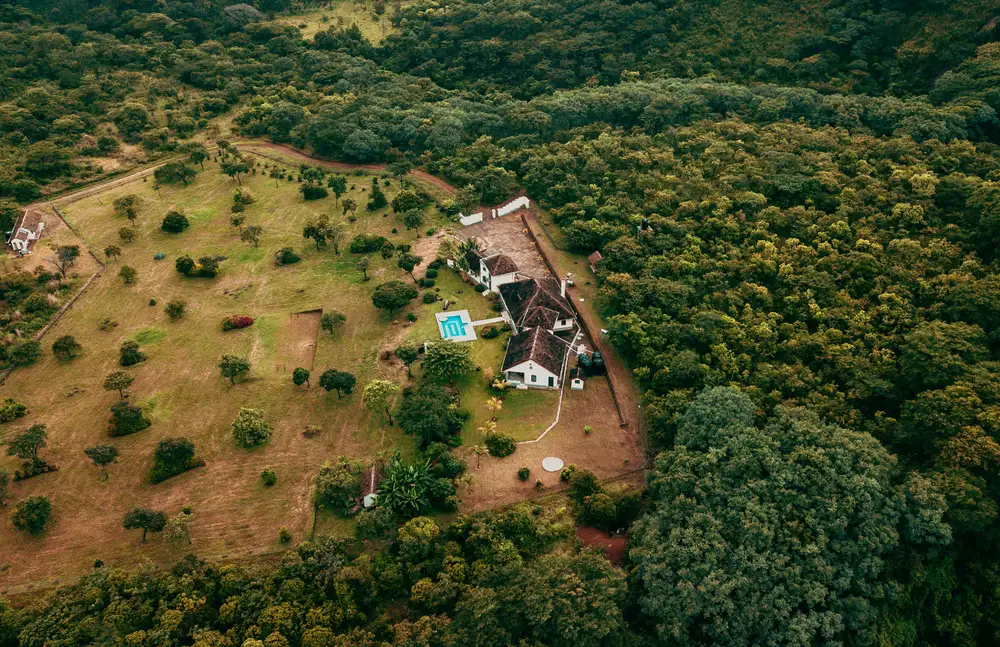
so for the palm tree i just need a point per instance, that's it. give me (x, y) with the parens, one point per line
(479, 450)
(494, 405)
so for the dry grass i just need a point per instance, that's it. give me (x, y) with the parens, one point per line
(180, 386)
(342, 14)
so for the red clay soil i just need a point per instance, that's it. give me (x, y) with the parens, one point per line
(614, 547)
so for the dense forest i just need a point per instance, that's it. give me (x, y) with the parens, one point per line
(797, 204)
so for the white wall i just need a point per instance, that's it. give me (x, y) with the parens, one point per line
(470, 220)
(518, 203)
(541, 374)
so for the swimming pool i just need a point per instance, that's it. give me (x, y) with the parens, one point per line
(456, 326)
(452, 326)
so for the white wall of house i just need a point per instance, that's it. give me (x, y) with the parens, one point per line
(562, 324)
(500, 279)
(534, 376)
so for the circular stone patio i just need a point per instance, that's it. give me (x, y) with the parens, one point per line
(552, 464)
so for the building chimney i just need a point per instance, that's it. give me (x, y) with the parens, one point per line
(562, 288)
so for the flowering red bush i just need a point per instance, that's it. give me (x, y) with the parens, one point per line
(232, 322)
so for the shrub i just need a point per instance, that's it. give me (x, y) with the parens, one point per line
(284, 535)
(126, 419)
(130, 354)
(313, 191)
(431, 273)
(429, 297)
(500, 445)
(268, 477)
(24, 353)
(524, 473)
(286, 256)
(435, 264)
(11, 409)
(175, 309)
(66, 347)
(489, 332)
(567, 472)
(428, 283)
(32, 514)
(171, 457)
(250, 429)
(367, 243)
(411, 316)
(152, 303)
(175, 222)
(480, 288)
(235, 322)
(159, 256)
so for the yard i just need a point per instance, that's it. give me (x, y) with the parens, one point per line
(180, 386)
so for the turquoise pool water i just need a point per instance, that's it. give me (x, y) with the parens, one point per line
(452, 326)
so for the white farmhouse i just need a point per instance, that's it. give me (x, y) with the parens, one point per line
(492, 271)
(28, 228)
(544, 324)
(535, 359)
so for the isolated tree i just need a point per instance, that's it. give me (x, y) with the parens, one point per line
(178, 528)
(102, 455)
(233, 366)
(127, 234)
(376, 199)
(428, 415)
(339, 381)
(197, 153)
(175, 309)
(237, 220)
(337, 486)
(447, 361)
(393, 295)
(335, 235)
(413, 219)
(250, 429)
(32, 514)
(494, 405)
(4, 484)
(175, 222)
(332, 320)
(173, 172)
(130, 353)
(66, 347)
(171, 457)
(362, 265)
(252, 235)
(119, 381)
(145, 520)
(379, 395)
(408, 263)
(65, 257)
(112, 252)
(235, 169)
(128, 274)
(127, 206)
(126, 419)
(300, 376)
(350, 206)
(318, 230)
(407, 353)
(28, 443)
(338, 185)
(400, 167)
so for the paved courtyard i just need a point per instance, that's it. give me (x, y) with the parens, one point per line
(507, 235)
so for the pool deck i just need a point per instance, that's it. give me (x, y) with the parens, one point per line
(463, 315)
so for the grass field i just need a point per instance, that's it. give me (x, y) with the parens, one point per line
(180, 386)
(342, 14)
